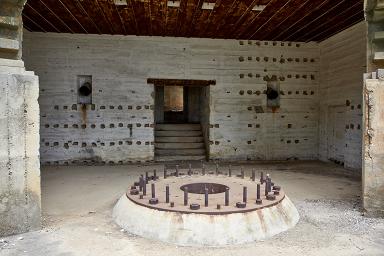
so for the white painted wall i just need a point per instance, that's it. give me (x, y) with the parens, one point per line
(120, 66)
(343, 63)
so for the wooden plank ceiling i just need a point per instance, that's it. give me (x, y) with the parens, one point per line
(280, 20)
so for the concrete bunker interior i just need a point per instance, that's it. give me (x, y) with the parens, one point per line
(290, 89)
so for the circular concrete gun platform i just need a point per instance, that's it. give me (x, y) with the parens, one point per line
(200, 209)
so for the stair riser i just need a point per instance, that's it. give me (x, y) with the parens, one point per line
(178, 139)
(179, 158)
(178, 127)
(180, 152)
(179, 145)
(178, 133)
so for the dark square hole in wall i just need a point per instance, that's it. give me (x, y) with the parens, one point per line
(273, 93)
(84, 89)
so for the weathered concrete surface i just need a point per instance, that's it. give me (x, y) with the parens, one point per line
(78, 203)
(118, 127)
(205, 230)
(19, 149)
(20, 208)
(343, 59)
(373, 158)
(11, 28)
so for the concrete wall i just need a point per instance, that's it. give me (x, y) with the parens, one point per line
(241, 126)
(343, 64)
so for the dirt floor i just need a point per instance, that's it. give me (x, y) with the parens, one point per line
(78, 200)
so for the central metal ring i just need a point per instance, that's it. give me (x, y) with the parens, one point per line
(199, 188)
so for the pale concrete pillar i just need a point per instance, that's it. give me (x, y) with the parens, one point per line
(373, 141)
(20, 197)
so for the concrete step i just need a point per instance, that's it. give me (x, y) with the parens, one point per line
(178, 127)
(180, 152)
(178, 158)
(178, 145)
(179, 139)
(178, 133)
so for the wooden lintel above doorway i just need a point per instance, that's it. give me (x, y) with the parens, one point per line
(180, 82)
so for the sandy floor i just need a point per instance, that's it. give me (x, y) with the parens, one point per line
(77, 205)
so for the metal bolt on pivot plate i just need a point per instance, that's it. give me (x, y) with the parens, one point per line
(226, 196)
(153, 201)
(141, 196)
(167, 194)
(259, 201)
(218, 207)
(185, 196)
(276, 192)
(271, 197)
(278, 188)
(172, 204)
(134, 192)
(241, 205)
(194, 206)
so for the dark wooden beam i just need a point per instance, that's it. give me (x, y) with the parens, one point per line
(278, 18)
(180, 82)
(72, 16)
(79, 4)
(335, 17)
(36, 18)
(28, 20)
(332, 30)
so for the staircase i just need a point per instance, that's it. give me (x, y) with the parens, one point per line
(177, 142)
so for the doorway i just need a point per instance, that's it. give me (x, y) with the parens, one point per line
(178, 104)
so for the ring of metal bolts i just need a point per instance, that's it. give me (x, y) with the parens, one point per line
(273, 193)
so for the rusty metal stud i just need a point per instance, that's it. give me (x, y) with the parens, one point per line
(262, 177)
(154, 174)
(172, 204)
(177, 170)
(230, 171)
(141, 183)
(271, 197)
(218, 207)
(144, 188)
(241, 205)
(194, 206)
(185, 196)
(190, 170)
(206, 197)
(244, 194)
(134, 192)
(266, 188)
(167, 194)
(153, 191)
(153, 201)
(258, 191)
(269, 185)
(253, 175)
(227, 197)
(275, 187)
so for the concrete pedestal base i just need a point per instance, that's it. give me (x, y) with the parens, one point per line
(205, 230)
(20, 209)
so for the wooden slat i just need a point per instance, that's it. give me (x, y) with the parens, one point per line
(285, 20)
